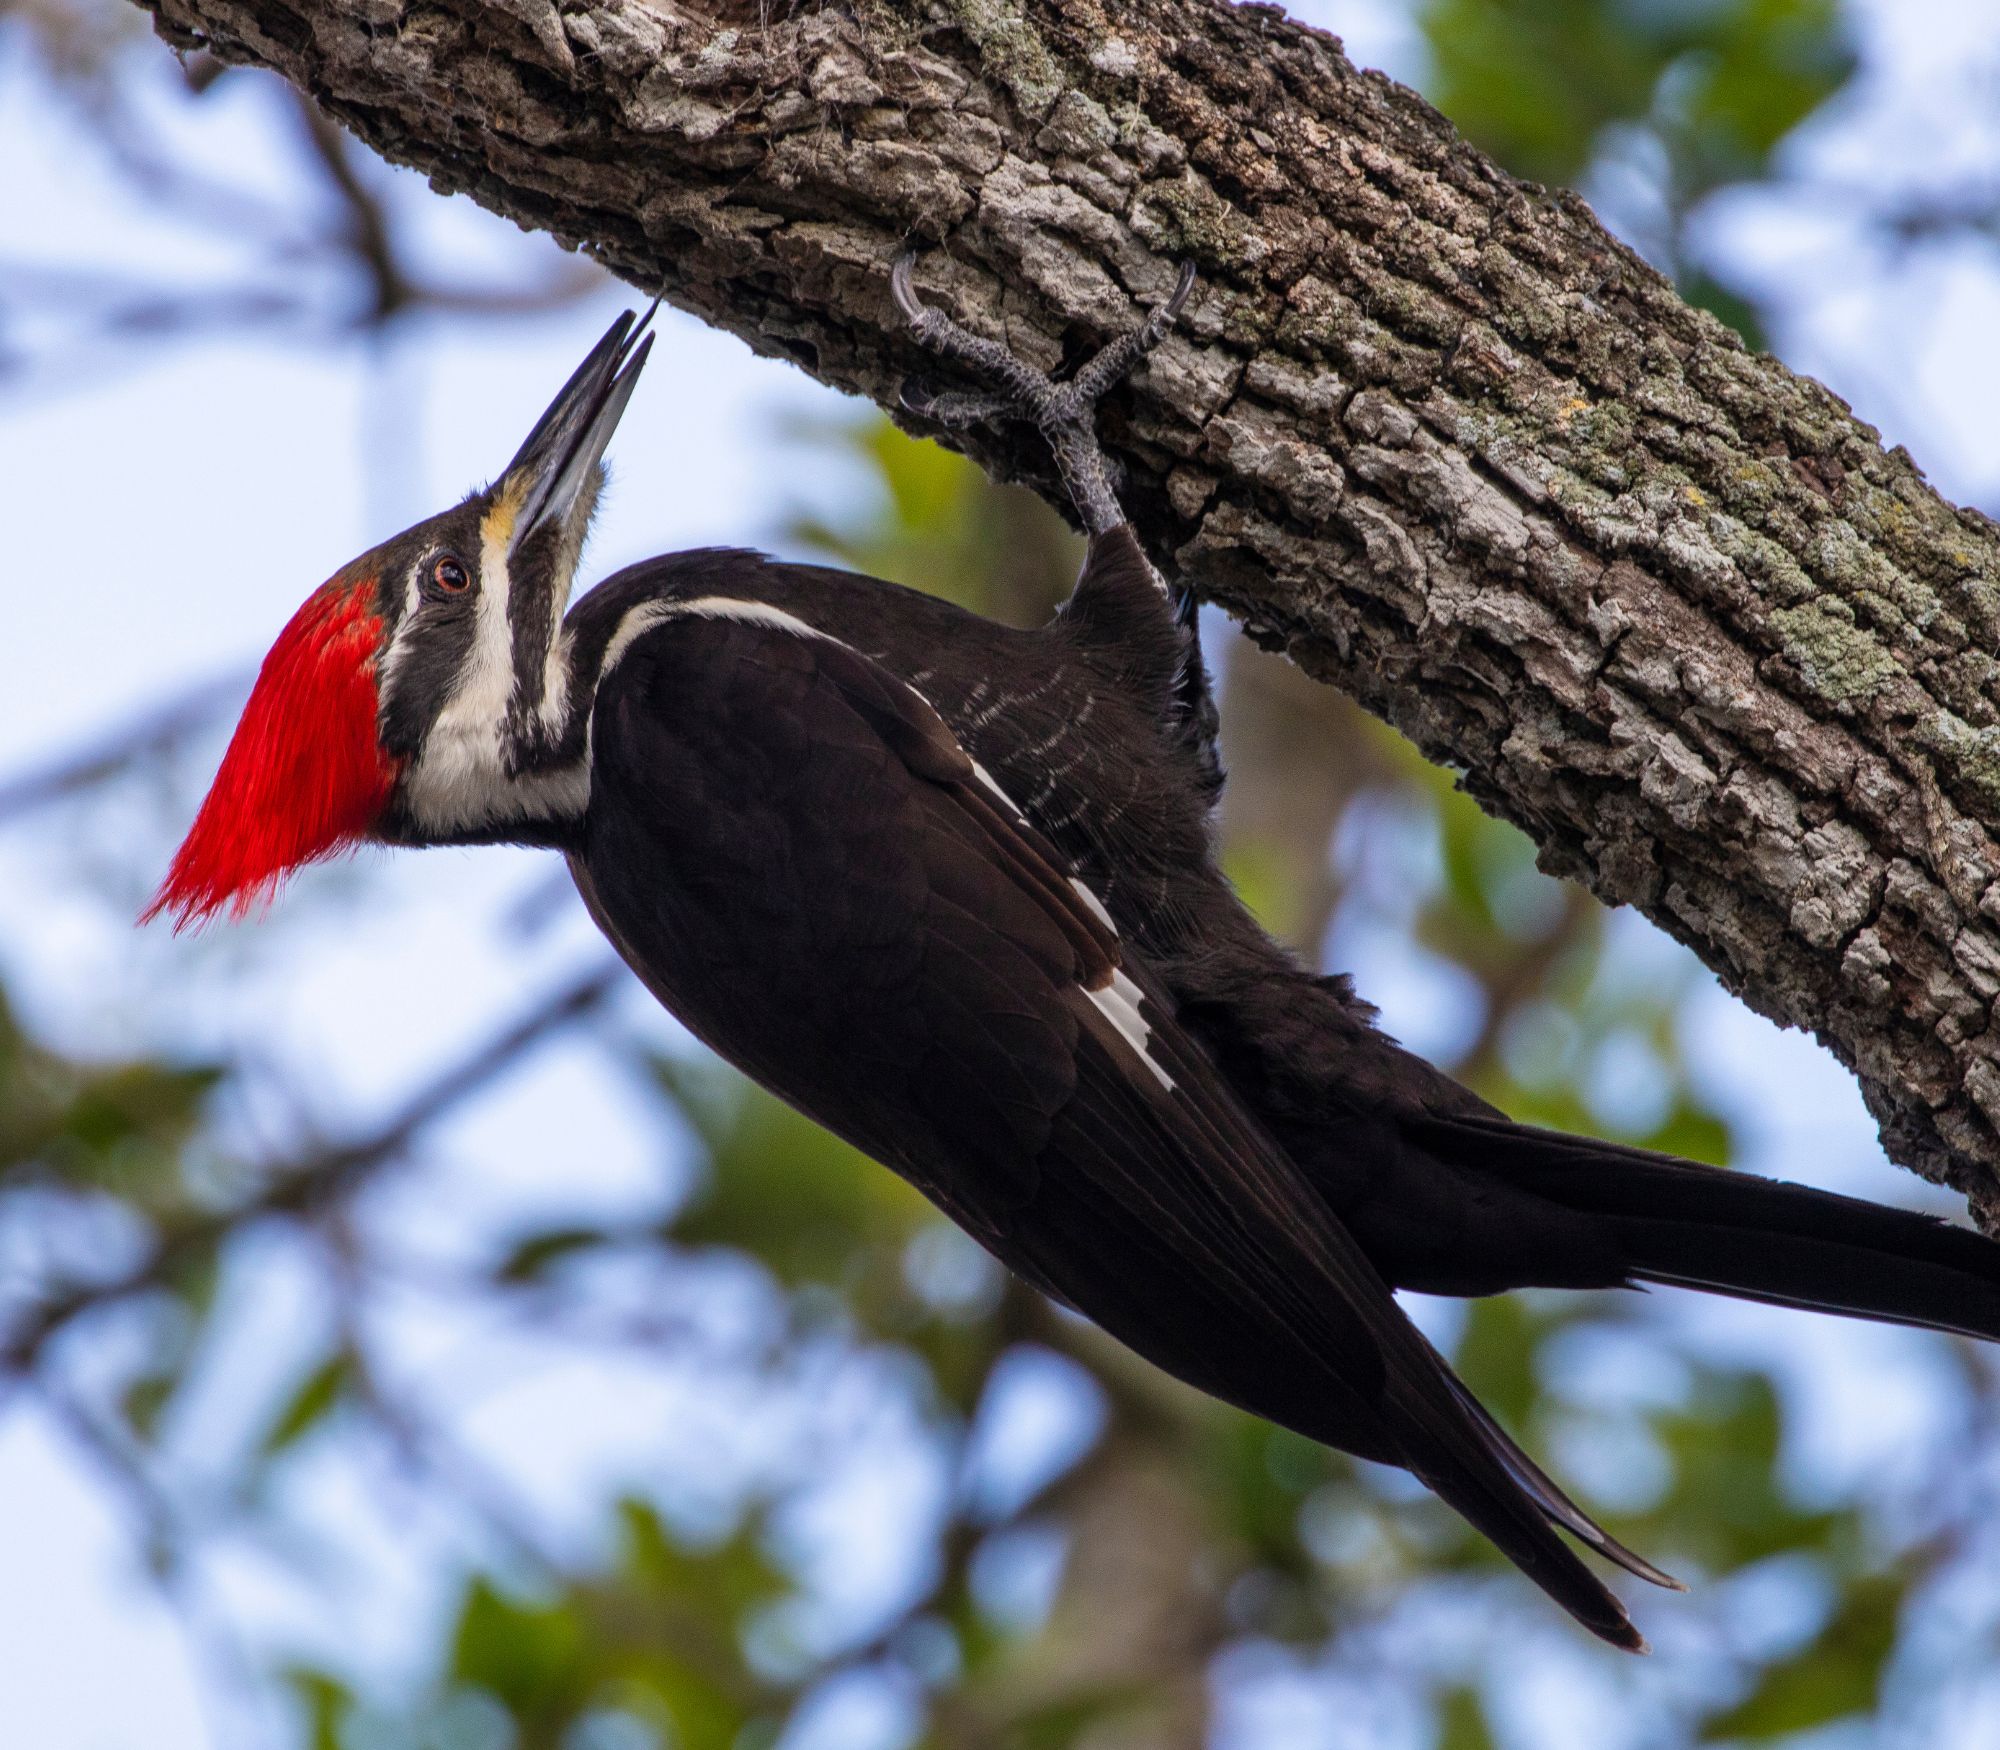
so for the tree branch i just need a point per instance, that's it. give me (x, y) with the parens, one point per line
(150, 736)
(314, 1181)
(1666, 605)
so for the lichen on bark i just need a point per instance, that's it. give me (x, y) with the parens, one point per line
(1665, 604)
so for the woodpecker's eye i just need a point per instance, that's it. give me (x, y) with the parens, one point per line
(448, 574)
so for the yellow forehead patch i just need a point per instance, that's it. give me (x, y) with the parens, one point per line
(497, 526)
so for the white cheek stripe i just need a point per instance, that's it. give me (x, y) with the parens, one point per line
(554, 707)
(486, 682)
(1118, 1002)
(461, 779)
(399, 646)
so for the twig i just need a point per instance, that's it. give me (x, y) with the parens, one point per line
(295, 1188)
(141, 738)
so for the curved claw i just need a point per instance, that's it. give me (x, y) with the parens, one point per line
(902, 290)
(1115, 360)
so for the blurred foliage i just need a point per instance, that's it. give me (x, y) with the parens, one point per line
(1693, 98)
(1538, 82)
(115, 1128)
(1112, 1592)
(942, 527)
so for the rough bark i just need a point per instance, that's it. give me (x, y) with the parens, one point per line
(1665, 604)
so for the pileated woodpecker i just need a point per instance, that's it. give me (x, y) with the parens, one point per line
(948, 888)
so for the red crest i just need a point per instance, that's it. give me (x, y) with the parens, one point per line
(305, 775)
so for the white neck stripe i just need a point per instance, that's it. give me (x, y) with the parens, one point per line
(642, 619)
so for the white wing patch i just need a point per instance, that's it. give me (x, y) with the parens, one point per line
(991, 784)
(1118, 1002)
(477, 708)
(1097, 908)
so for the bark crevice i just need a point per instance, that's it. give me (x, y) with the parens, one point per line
(1665, 604)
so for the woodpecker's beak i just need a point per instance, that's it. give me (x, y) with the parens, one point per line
(552, 482)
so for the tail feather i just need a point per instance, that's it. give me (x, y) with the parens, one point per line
(1554, 1504)
(1676, 1222)
(1521, 1526)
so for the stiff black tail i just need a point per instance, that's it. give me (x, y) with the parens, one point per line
(1522, 1528)
(1457, 1449)
(1673, 1221)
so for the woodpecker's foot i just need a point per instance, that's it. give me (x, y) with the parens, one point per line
(1063, 413)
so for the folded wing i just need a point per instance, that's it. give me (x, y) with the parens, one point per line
(800, 858)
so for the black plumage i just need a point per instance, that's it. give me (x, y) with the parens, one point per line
(788, 842)
(795, 851)
(948, 887)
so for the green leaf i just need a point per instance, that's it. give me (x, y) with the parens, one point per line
(1728, 1503)
(943, 527)
(1498, 1353)
(1692, 1132)
(1262, 1477)
(1259, 874)
(1537, 83)
(1462, 1722)
(532, 1258)
(1709, 293)
(1748, 75)
(1836, 1676)
(1059, 1724)
(533, 1659)
(118, 1127)
(327, 1703)
(146, 1397)
(732, 1579)
(310, 1403)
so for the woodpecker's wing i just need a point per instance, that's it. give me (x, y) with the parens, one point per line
(792, 849)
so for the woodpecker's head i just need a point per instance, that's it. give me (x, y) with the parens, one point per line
(421, 695)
